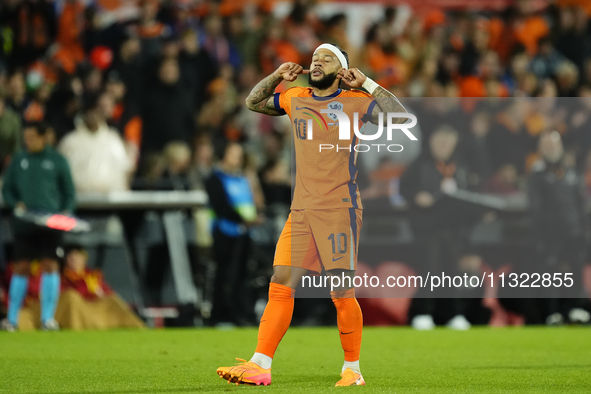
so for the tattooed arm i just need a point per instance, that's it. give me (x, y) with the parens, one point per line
(260, 98)
(386, 101)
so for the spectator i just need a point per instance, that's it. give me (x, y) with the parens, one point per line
(567, 77)
(170, 48)
(198, 174)
(16, 97)
(92, 81)
(34, 25)
(10, 133)
(587, 71)
(275, 177)
(98, 156)
(37, 179)
(170, 170)
(276, 49)
(302, 27)
(87, 301)
(95, 32)
(62, 110)
(125, 114)
(150, 31)
(504, 181)
(546, 62)
(217, 45)
(509, 136)
(474, 149)
(559, 225)
(580, 124)
(246, 35)
(336, 31)
(36, 108)
(232, 202)
(573, 38)
(167, 109)
(528, 27)
(178, 160)
(517, 73)
(276, 183)
(438, 223)
(197, 68)
(128, 66)
(202, 162)
(69, 32)
(185, 17)
(388, 68)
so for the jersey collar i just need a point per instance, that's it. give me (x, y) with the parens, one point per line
(324, 98)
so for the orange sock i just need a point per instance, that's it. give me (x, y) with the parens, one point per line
(276, 318)
(350, 322)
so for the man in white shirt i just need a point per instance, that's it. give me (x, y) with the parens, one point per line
(99, 158)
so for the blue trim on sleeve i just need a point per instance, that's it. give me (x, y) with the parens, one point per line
(352, 174)
(277, 105)
(367, 115)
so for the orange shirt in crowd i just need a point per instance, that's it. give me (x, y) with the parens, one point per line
(473, 86)
(529, 31)
(583, 4)
(276, 52)
(388, 68)
(70, 24)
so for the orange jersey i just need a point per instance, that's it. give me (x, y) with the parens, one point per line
(325, 179)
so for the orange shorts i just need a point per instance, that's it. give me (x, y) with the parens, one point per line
(317, 238)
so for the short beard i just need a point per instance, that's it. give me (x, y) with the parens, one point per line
(323, 83)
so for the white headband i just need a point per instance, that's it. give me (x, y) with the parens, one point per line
(336, 52)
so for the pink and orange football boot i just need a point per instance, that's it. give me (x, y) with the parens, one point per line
(246, 372)
(350, 378)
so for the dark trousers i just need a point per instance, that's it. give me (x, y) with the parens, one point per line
(2, 251)
(439, 250)
(231, 297)
(562, 255)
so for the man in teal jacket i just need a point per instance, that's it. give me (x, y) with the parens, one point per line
(37, 179)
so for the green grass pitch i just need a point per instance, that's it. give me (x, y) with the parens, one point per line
(393, 360)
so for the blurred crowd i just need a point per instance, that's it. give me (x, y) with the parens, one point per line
(155, 100)
(148, 102)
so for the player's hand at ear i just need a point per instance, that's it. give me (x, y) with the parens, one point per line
(352, 77)
(289, 71)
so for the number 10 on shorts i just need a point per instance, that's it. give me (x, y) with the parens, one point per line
(341, 242)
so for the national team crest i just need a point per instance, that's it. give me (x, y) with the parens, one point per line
(336, 106)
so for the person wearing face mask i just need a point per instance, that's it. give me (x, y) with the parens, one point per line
(559, 228)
